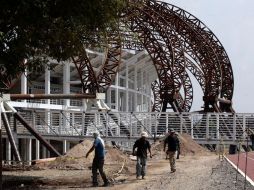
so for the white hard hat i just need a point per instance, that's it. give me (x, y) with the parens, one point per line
(144, 134)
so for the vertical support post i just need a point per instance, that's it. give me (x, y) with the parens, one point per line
(37, 149)
(29, 150)
(234, 127)
(10, 137)
(107, 124)
(66, 90)
(44, 152)
(244, 126)
(181, 123)
(141, 90)
(24, 83)
(117, 92)
(131, 132)
(61, 122)
(8, 151)
(127, 87)
(167, 115)
(109, 103)
(64, 146)
(150, 123)
(217, 126)
(192, 134)
(83, 124)
(47, 91)
(47, 82)
(135, 88)
(156, 125)
(207, 125)
(1, 148)
(119, 123)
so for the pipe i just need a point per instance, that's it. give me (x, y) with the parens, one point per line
(225, 101)
(10, 137)
(52, 96)
(37, 135)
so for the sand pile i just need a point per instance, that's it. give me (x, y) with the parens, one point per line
(75, 157)
(187, 146)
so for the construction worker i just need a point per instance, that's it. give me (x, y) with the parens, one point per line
(142, 145)
(98, 160)
(172, 142)
(177, 146)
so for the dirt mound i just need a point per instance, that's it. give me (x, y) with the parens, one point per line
(75, 157)
(187, 146)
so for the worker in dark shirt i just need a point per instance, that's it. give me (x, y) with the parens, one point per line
(172, 142)
(142, 146)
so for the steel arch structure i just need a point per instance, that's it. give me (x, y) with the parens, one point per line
(180, 45)
(181, 48)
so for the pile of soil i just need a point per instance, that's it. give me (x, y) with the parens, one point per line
(75, 157)
(187, 146)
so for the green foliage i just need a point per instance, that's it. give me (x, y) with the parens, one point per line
(33, 29)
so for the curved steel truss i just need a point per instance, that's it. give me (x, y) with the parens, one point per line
(181, 47)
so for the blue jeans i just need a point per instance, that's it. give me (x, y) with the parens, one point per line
(141, 166)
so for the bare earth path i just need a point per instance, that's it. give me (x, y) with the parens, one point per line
(193, 173)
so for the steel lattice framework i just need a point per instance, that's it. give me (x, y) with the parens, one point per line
(180, 46)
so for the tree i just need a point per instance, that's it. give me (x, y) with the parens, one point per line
(34, 30)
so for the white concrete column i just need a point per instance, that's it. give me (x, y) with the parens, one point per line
(127, 87)
(44, 152)
(234, 127)
(66, 82)
(64, 146)
(117, 92)
(109, 98)
(8, 151)
(142, 90)
(37, 156)
(217, 127)
(135, 88)
(66, 90)
(207, 126)
(29, 150)
(24, 83)
(47, 82)
(192, 130)
(47, 91)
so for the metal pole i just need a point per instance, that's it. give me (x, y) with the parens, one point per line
(10, 137)
(1, 152)
(52, 96)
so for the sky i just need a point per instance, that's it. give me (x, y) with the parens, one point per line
(232, 21)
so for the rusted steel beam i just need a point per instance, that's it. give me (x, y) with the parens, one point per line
(36, 134)
(86, 73)
(51, 96)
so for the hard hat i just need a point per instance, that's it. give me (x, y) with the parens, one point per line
(171, 130)
(144, 134)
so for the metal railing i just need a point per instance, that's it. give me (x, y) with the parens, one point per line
(205, 128)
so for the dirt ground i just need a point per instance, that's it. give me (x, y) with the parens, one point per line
(197, 169)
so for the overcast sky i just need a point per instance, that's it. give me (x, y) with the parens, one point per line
(232, 21)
